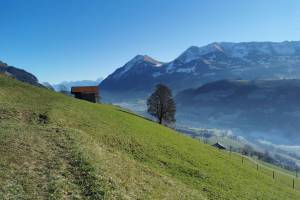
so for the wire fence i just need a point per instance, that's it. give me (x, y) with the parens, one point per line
(277, 174)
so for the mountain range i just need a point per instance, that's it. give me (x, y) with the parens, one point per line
(200, 65)
(68, 84)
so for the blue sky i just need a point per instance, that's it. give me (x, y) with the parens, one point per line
(86, 39)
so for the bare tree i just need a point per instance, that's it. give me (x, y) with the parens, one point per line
(161, 105)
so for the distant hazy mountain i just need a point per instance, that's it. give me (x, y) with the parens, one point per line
(266, 109)
(200, 65)
(19, 74)
(69, 84)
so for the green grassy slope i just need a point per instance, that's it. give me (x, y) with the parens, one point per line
(57, 147)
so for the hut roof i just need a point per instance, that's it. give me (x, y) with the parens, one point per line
(219, 145)
(89, 89)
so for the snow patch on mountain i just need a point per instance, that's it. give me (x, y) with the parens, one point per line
(186, 70)
(156, 74)
(243, 49)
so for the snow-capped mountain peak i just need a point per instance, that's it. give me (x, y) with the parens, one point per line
(142, 58)
(152, 61)
(213, 47)
(194, 52)
(137, 58)
(136, 62)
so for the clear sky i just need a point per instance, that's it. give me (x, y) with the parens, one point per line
(86, 39)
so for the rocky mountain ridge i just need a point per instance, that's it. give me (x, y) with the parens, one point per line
(18, 74)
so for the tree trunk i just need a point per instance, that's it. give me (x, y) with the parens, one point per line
(160, 120)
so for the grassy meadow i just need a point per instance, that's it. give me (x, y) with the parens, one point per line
(56, 147)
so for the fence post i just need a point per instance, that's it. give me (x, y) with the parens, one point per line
(293, 183)
(273, 175)
(242, 159)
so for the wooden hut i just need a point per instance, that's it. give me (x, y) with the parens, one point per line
(219, 146)
(88, 93)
